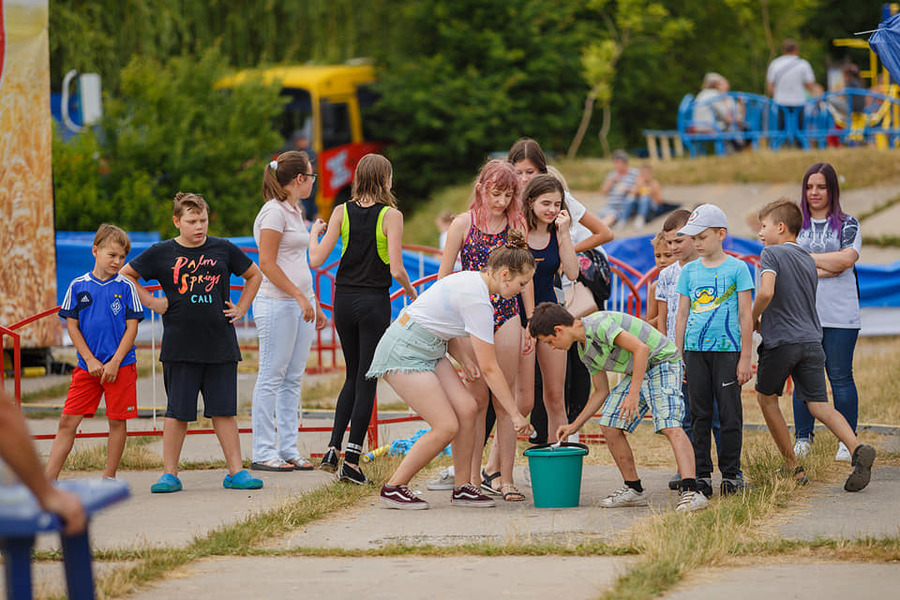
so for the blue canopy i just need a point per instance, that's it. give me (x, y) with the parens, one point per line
(886, 44)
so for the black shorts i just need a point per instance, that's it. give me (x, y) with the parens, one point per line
(185, 380)
(804, 363)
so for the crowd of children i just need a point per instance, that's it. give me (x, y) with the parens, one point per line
(504, 318)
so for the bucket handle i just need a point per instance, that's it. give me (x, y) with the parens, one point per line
(560, 445)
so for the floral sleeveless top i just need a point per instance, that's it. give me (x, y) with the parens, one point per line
(474, 255)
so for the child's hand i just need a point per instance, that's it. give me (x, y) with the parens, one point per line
(317, 229)
(321, 319)
(69, 508)
(110, 371)
(527, 343)
(564, 431)
(233, 311)
(470, 369)
(309, 313)
(744, 373)
(562, 220)
(629, 410)
(94, 367)
(523, 427)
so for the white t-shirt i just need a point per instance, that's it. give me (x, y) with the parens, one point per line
(577, 231)
(287, 220)
(665, 290)
(459, 305)
(837, 300)
(789, 74)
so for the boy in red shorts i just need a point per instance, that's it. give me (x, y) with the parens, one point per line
(102, 311)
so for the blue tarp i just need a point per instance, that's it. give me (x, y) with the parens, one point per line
(879, 284)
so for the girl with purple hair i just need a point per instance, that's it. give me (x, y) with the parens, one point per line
(834, 240)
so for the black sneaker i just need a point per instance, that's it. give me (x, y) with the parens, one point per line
(329, 461)
(352, 475)
(704, 486)
(468, 495)
(863, 459)
(399, 497)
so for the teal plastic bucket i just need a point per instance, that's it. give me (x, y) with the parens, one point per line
(556, 474)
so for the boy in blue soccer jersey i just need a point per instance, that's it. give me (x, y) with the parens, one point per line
(713, 329)
(102, 311)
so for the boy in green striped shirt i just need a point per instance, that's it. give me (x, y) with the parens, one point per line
(618, 342)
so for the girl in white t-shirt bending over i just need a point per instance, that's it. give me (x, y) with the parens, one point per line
(411, 357)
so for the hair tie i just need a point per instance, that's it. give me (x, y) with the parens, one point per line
(273, 165)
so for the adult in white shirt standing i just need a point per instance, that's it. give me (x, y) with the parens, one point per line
(788, 79)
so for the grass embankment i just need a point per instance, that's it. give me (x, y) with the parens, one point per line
(860, 167)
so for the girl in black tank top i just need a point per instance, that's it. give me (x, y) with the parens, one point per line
(371, 229)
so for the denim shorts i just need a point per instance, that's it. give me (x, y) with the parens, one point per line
(406, 347)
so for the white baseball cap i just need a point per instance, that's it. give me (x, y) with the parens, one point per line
(703, 217)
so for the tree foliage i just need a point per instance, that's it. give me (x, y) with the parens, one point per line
(169, 131)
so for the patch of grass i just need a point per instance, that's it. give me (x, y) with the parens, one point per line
(591, 548)
(860, 167)
(135, 458)
(877, 375)
(884, 241)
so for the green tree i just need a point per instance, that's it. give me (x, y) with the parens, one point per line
(475, 77)
(171, 130)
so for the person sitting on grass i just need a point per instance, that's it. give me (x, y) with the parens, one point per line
(784, 313)
(618, 342)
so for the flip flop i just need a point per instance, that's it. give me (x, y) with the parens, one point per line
(275, 465)
(487, 483)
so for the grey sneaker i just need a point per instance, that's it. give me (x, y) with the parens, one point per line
(444, 481)
(733, 486)
(675, 482)
(624, 496)
(691, 501)
(863, 459)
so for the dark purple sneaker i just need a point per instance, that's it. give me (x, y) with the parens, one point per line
(468, 495)
(399, 496)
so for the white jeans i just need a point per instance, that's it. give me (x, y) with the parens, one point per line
(284, 342)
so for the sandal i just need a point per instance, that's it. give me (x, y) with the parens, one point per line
(276, 465)
(511, 493)
(487, 483)
(300, 464)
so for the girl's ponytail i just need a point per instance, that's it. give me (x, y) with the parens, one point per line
(279, 172)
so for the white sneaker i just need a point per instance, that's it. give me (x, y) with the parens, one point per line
(843, 454)
(444, 481)
(639, 222)
(802, 447)
(691, 501)
(624, 496)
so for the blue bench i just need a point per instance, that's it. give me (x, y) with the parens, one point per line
(759, 123)
(21, 519)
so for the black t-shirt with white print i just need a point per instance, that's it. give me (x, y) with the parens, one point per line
(196, 282)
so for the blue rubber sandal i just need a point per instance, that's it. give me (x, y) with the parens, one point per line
(242, 480)
(167, 484)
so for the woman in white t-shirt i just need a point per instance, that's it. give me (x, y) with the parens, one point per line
(286, 313)
(834, 240)
(411, 358)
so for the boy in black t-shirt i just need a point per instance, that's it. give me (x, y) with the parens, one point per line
(199, 345)
(792, 340)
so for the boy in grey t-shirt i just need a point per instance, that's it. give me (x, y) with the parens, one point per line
(784, 312)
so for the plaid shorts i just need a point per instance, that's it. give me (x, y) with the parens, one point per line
(660, 394)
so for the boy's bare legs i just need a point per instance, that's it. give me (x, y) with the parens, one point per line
(621, 451)
(835, 422)
(778, 428)
(62, 445)
(684, 451)
(226, 429)
(115, 446)
(173, 440)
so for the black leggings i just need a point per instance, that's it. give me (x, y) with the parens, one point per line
(360, 317)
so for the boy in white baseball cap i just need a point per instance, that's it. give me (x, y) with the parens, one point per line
(713, 330)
